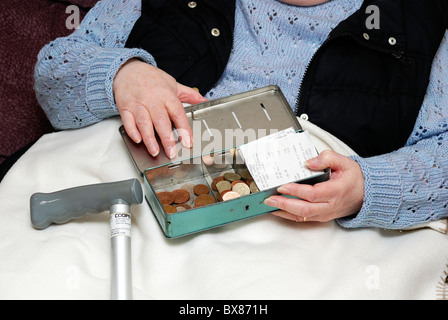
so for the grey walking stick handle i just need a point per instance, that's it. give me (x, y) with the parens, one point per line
(74, 203)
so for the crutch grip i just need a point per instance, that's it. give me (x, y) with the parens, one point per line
(74, 203)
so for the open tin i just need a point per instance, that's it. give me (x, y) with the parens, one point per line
(219, 127)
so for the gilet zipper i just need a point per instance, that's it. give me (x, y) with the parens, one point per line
(397, 54)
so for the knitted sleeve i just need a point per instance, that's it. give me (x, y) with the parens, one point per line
(409, 187)
(74, 74)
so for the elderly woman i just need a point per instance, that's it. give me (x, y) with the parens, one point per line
(359, 70)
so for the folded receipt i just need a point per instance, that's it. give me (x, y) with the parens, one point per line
(279, 158)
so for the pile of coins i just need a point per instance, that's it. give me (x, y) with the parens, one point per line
(187, 197)
(227, 186)
(233, 185)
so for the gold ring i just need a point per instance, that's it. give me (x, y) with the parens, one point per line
(304, 219)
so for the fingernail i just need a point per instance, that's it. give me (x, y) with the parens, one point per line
(186, 141)
(153, 149)
(154, 152)
(271, 202)
(310, 162)
(283, 190)
(171, 152)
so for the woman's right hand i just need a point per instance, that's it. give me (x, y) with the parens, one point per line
(150, 100)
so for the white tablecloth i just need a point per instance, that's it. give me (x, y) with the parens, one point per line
(261, 258)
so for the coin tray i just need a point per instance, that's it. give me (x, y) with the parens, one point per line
(263, 111)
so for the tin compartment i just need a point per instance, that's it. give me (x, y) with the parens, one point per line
(219, 127)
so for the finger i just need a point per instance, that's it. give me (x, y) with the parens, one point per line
(179, 118)
(162, 125)
(144, 125)
(290, 216)
(299, 207)
(129, 125)
(321, 192)
(326, 159)
(189, 95)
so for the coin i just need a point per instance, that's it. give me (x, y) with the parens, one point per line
(241, 188)
(215, 181)
(169, 208)
(235, 182)
(249, 181)
(189, 187)
(182, 206)
(204, 199)
(245, 174)
(231, 176)
(166, 197)
(201, 189)
(208, 160)
(230, 195)
(223, 186)
(253, 187)
(224, 192)
(181, 196)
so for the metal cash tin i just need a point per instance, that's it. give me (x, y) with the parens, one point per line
(219, 127)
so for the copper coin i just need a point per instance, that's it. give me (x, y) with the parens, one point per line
(249, 181)
(215, 181)
(224, 192)
(181, 196)
(169, 208)
(166, 197)
(208, 159)
(245, 174)
(201, 189)
(230, 195)
(204, 199)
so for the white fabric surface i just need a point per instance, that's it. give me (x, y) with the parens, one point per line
(261, 258)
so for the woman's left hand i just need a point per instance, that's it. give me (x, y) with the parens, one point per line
(338, 197)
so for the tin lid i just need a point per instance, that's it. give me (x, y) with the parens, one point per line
(222, 124)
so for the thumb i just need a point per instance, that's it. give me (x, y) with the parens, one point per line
(327, 159)
(189, 95)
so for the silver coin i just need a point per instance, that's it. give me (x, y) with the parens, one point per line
(189, 187)
(223, 186)
(231, 176)
(241, 188)
(253, 187)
